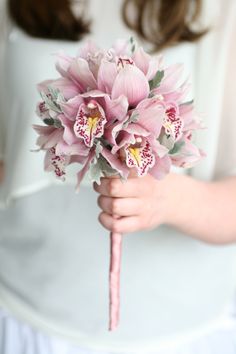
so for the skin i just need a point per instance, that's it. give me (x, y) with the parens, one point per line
(203, 210)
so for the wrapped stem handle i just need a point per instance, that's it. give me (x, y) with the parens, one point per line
(114, 279)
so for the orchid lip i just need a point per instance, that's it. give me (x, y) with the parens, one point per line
(140, 157)
(89, 123)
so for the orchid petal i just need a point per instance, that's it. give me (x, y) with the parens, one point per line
(141, 158)
(53, 139)
(161, 167)
(134, 128)
(71, 107)
(89, 48)
(78, 159)
(147, 64)
(120, 47)
(68, 134)
(191, 120)
(155, 65)
(63, 63)
(43, 129)
(90, 122)
(82, 172)
(157, 147)
(80, 73)
(116, 109)
(188, 155)
(179, 94)
(116, 163)
(48, 136)
(106, 76)
(173, 123)
(142, 60)
(43, 86)
(66, 87)
(171, 77)
(110, 133)
(56, 163)
(132, 83)
(93, 93)
(151, 113)
(125, 139)
(75, 149)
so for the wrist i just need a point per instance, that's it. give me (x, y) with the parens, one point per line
(184, 198)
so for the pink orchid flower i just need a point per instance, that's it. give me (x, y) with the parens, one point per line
(132, 83)
(140, 156)
(56, 163)
(93, 55)
(89, 123)
(148, 64)
(112, 111)
(191, 120)
(49, 136)
(67, 87)
(188, 155)
(161, 167)
(116, 109)
(173, 122)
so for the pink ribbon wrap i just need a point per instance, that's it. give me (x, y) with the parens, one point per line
(114, 279)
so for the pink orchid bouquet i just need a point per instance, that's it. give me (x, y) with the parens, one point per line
(112, 112)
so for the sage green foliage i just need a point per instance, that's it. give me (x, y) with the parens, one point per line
(100, 168)
(155, 82)
(51, 102)
(132, 119)
(49, 121)
(132, 42)
(53, 122)
(166, 140)
(177, 147)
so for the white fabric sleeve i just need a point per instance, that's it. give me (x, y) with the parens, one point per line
(3, 34)
(226, 154)
(215, 92)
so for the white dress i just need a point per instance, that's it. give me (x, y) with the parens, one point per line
(176, 292)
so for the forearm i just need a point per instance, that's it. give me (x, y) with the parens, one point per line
(204, 210)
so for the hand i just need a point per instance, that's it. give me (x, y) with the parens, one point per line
(1, 171)
(137, 204)
(203, 210)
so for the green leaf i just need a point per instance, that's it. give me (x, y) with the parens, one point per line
(100, 168)
(50, 102)
(57, 123)
(49, 121)
(132, 119)
(187, 103)
(166, 140)
(177, 147)
(132, 42)
(98, 148)
(53, 122)
(155, 82)
(95, 172)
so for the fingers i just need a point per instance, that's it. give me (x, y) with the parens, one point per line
(126, 224)
(114, 187)
(127, 206)
(120, 206)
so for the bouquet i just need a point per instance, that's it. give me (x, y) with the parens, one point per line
(112, 112)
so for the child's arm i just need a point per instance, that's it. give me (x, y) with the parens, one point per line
(204, 210)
